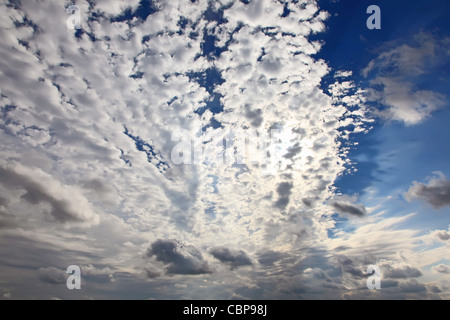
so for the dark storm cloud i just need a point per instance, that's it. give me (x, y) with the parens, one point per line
(346, 207)
(180, 258)
(36, 193)
(436, 192)
(233, 259)
(400, 273)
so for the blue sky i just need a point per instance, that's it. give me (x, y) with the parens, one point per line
(262, 149)
(392, 154)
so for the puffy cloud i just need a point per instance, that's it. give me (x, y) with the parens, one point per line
(91, 115)
(232, 258)
(395, 72)
(402, 272)
(436, 192)
(442, 268)
(441, 235)
(406, 104)
(178, 257)
(66, 204)
(284, 192)
(412, 286)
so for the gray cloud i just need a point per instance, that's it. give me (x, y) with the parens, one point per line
(412, 286)
(75, 93)
(442, 268)
(389, 283)
(232, 258)
(344, 206)
(436, 192)
(62, 209)
(3, 202)
(268, 258)
(284, 192)
(254, 115)
(6, 219)
(400, 273)
(293, 151)
(348, 265)
(179, 258)
(152, 272)
(443, 235)
(52, 275)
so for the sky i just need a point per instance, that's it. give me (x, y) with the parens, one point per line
(259, 149)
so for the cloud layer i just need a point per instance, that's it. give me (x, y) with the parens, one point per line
(90, 122)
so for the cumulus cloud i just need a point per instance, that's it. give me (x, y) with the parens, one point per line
(401, 272)
(178, 257)
(349, 266)
(65, 204)
(441, 235)
(92, 116)
(412, 286)
(436, 192)
(394, 74)
(284, 192)
(442, 268)
(232, 258)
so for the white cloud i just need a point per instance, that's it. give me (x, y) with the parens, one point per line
(405, 103)
(35, 187)
(394, 76)
(86, 130)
